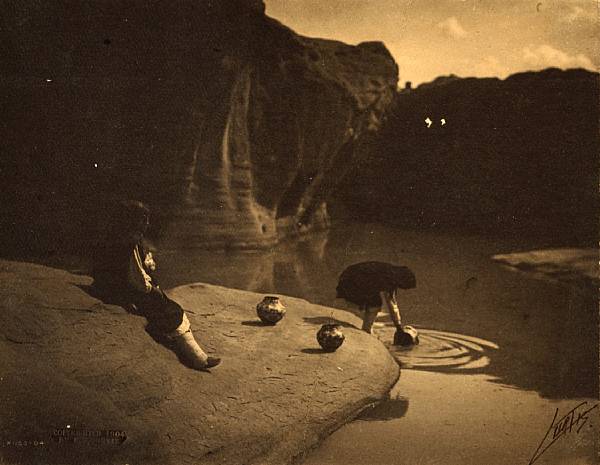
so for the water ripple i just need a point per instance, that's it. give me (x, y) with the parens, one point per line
(445, 350)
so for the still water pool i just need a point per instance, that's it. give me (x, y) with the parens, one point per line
(500, 350)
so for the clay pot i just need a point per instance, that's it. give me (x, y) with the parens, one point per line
(407, 336)
(330, 337)
(270, 310)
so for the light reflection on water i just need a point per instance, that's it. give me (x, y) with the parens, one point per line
(463, 301)
(300, 269)
(438, 349)
(473, 317)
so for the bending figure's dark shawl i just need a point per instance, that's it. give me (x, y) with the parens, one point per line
(362, 282)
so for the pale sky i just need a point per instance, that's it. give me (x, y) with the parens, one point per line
(430, 38)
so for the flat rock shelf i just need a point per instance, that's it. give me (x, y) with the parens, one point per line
(70, 362)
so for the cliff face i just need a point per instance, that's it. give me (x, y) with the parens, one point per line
(232, 127)
(518, 154)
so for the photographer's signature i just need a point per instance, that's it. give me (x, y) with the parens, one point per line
(575, 419)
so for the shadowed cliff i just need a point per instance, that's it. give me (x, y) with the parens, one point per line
(518, 155)
(232, 127)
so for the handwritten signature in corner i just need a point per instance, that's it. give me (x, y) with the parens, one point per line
(577, 417)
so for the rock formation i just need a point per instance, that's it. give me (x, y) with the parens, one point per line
(518, 154)
(234, 128)
(66, 358)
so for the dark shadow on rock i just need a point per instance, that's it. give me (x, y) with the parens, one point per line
(156, 336)
(390, 409)
(313, 351)
(256, 323)
(108, 299)
(325, 320)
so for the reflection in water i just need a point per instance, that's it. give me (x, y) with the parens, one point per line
(296, 269)
(545, 330)
(450, 351)
(577, 266)
(390, 409)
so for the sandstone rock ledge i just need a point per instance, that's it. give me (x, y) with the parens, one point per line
(68, 359)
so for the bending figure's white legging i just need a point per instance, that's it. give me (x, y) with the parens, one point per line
(390, 304)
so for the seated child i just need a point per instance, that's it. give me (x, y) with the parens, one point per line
(124, 270)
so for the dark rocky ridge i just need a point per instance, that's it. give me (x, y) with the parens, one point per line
(234, 128)
(517, 155)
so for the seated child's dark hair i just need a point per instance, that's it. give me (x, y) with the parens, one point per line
(130, 214)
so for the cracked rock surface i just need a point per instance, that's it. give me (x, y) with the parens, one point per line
(66, 358)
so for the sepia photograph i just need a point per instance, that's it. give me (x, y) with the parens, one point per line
(299, 232)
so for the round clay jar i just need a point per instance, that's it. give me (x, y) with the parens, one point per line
(330, 337)
(270, 310)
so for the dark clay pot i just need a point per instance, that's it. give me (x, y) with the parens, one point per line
(407, 336)
(330, 337)
(270, 310)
